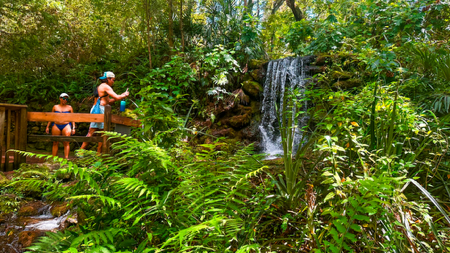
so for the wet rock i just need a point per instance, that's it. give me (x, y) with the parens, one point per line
(70, 221)
(30, 209)
(253, 89)
(59, 209)
(250, 133)
(26, 238)
(347, 84)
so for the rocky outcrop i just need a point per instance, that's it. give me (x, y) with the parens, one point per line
(30, 209)
(26, 238)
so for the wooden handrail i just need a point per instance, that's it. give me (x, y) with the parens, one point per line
(64, 117)
(80, 117)
(49, 138)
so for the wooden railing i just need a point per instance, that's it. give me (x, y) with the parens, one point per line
(21, 118)
(12, 116)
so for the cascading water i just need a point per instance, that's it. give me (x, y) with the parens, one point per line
(281, 75)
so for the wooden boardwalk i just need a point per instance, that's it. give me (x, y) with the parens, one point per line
(16, 117)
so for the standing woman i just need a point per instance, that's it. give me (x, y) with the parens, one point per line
(104, 95)
(62, 128)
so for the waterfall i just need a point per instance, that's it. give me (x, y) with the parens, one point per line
(281, 75)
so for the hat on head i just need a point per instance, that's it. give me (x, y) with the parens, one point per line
(64, 95)
(107, 74)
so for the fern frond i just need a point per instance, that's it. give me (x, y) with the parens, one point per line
(97, 237)
(104, 199)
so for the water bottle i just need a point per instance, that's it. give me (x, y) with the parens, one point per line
(122, 105)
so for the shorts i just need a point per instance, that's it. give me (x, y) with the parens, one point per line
(98, 124)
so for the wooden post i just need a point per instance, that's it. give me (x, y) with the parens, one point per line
(16, 138)
(2, 137)
(8, 140)
(23, 134)
(106, 127)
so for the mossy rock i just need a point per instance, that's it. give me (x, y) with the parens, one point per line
(59, 209)
(253, 89)
(32, 171)
(247, 77)
(256, 64)
(255, 74)
(239, 121)
(341, 75)
(30, 209)
(256, 107)
(347, 84)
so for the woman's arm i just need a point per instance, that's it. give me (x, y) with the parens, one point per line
(73, 123)
(114, 96)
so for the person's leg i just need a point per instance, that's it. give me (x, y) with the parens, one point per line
(66, 132)
(89, 134)
(55, 131)
(99, 148)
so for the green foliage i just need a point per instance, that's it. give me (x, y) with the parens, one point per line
(175, 77)
(250, 44)
(299, 33)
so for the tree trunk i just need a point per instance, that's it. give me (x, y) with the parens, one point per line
(295, 10)
(147, 21)
(276, 5)
(181, 25)
(170, 37)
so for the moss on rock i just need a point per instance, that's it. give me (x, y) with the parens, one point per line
(256, 64)
(59, 209)
(252, 88)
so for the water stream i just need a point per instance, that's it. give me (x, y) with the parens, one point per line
(13, 225)
(281, 75)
